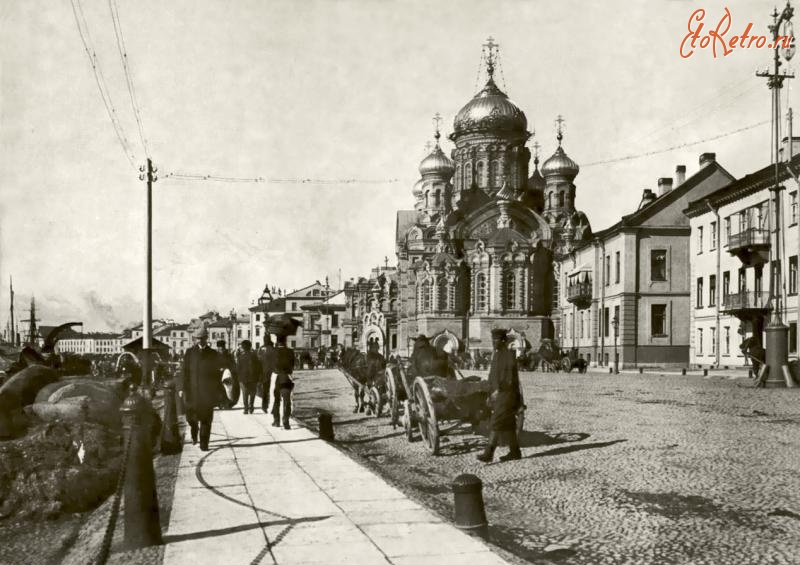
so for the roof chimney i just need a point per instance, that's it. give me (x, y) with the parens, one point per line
(707, 158)
(664, 185)
(680, 175)
(647, 198)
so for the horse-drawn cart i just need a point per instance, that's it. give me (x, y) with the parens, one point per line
(365, 374)
(428, 401)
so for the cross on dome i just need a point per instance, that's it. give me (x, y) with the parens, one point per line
(490, 49)
(559, 129)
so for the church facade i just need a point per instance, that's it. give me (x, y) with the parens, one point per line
(479, 249)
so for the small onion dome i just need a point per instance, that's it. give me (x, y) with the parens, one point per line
(437, 163)
(536, 180)
(490, 110)
(417, 190)
(560, 164)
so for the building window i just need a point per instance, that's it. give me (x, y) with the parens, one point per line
(509, 289)
(616, 317)
(480, 291)
(727, 234)
(658, 265)
(759, 277)
(700, 342)
(793, 207)
(616, 274)
(713, 341)
(258, 317)
(712, 290)
(792, 337)
(605, 322)
(700, 239)
(294, 306)
(258, 331)
(793, 274)
(608, 270)
(292, 343)
(775, 277)
(713, 235)
(726, 284)
(743, 279)
(699, 293)
(334, 320)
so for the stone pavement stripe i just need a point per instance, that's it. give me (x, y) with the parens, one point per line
(267, 495)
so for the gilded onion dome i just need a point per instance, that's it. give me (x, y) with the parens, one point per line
(437, 163)
(490, 109)
(560, 164)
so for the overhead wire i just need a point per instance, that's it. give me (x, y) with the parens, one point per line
(674, 147)
(105, 95)
(219, 178)
(123, 53)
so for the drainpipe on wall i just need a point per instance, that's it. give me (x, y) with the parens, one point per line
(602, 316)
(717, 282)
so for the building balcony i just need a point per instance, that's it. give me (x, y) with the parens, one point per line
(746, 305)
(751, 246)
(580, 294)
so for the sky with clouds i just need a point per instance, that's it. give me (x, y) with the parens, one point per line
(331, 90)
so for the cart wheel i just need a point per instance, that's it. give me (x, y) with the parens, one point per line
(375, 401)
(392, 399)
(566, 364)
(408, 425)
(428, 426)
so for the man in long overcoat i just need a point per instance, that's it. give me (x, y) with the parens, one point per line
(200, 386)
(267, 357)
(248, 368)
(506, 399)
(284, 366)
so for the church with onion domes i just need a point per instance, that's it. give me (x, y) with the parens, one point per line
(479, 248)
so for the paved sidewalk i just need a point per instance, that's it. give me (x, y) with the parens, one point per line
(268, 495)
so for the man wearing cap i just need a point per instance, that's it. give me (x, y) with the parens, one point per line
(200, 386)
(248, 368)
(506, 399)
(284, 366)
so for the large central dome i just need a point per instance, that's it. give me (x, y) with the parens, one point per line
(490, 109)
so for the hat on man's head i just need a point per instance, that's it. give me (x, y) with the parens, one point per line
(499, 333)
(221, 343)
(200, 332)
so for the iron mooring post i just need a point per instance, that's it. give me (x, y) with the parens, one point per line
(142, 521)
(171, 440)
(469, 512)
(325, 420)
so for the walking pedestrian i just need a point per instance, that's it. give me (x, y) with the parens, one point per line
(284, 366)
(227, 399)
(506, 399)
(267, 358)
(248, 368)
(200, 386)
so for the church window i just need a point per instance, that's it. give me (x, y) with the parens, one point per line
(479, 174)
(560, 199)
(451, 297)
(426, 296)
(441, 294)
(509, 289)
(549, 200)
(480, 292)
(426, 199)
(495, 173)
(436, 199)
(458, 177)
(468, 176)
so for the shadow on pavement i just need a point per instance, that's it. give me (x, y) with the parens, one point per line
(537, 439)
(571, 448)
(242, 528)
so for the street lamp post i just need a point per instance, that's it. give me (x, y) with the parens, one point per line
(776, 331)
(615, 324)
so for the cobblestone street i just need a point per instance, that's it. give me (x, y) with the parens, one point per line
(616, 469)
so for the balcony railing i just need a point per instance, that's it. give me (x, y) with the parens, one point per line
(748, 301)
(751, 246)
(579, 293)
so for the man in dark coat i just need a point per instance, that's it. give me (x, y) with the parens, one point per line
(248, 368)
(284, 366)
(506, 399)
(200, 386)
(267, 358)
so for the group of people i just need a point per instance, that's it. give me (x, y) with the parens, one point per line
(201, 380)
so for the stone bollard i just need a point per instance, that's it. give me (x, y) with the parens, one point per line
(705, 372)
(142, 521)
(325, 426)
(683, 371)
(469, 512)
(641, 370)
(611, 370)
(171, 440)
